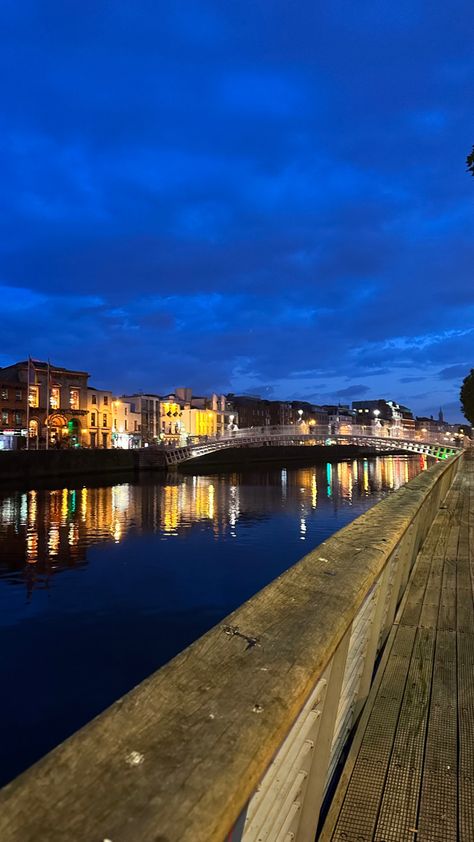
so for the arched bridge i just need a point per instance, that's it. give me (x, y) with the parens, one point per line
(302, 435)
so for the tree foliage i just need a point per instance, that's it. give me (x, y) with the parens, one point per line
(470, 162)
(467, 396)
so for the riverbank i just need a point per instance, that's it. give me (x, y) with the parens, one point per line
(26, 467)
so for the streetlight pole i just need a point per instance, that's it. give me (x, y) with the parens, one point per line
(377, 422)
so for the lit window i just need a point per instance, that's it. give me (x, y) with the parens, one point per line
(4, 416)
(93, 419)
(55, 397)
(33, 396)
(18, 395)
(17, 418)
(94, 399)
(4, 394)
(74, 398)
(104, 420)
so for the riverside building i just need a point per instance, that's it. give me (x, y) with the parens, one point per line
(55, 405)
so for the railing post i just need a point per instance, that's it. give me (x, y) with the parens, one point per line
(317, 777)
(373, 639)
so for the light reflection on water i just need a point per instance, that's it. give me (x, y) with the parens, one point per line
(145, 568)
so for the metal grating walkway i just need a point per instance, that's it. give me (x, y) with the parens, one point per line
(409, 776)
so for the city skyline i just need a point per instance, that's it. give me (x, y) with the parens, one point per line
(241, 198)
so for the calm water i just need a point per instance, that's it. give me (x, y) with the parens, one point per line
(99, 586)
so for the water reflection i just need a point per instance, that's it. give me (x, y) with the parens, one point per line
(45, 531)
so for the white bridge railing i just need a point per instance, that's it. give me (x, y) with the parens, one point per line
(373, 437)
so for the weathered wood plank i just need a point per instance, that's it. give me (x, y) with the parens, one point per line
(417, 798)
(359, 811)
(466, 736)
(437, 820)
(398, 812)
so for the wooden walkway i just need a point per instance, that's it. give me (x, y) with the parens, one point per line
(410, 771)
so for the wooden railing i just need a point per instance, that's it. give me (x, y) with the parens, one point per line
(238, 736)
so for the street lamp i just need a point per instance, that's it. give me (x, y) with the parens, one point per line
(300, 419)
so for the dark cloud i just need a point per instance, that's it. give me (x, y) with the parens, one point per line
(454, 372)
(353, 391)
(233, 199)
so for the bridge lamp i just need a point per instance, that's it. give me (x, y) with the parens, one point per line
(300, 413)
(377, 413)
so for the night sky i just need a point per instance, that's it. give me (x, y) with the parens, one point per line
(265, 196)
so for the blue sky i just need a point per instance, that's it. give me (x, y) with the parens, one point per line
(241, 196)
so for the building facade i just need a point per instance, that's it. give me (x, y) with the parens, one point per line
(56, 410)
(99, 406)
(126, 425)
(382, 413)
(13, 413)
(148, 408)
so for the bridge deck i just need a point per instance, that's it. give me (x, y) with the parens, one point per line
(409, 774)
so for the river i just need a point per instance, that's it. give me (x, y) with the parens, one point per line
(102, 584)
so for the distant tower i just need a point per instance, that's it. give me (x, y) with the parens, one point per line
(440, 415)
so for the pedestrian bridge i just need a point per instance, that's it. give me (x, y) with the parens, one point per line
(304, 435)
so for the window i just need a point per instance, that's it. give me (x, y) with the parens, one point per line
(115, 423)
(126, 410)
(33, 396)
(104, 420)
(4, 416)
(92, 419)
(18, 395)
(104, 439)
(136, 426)
(74, 398)
(106, 400)
(126, 425)
(4, 392)
(94, 399)
(54, 399)
(17, 419)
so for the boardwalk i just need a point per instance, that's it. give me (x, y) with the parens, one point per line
(409, 775)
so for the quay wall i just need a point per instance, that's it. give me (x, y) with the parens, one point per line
(26, 466)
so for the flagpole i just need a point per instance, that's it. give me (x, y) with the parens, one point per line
(28, 407)
(47, 404)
